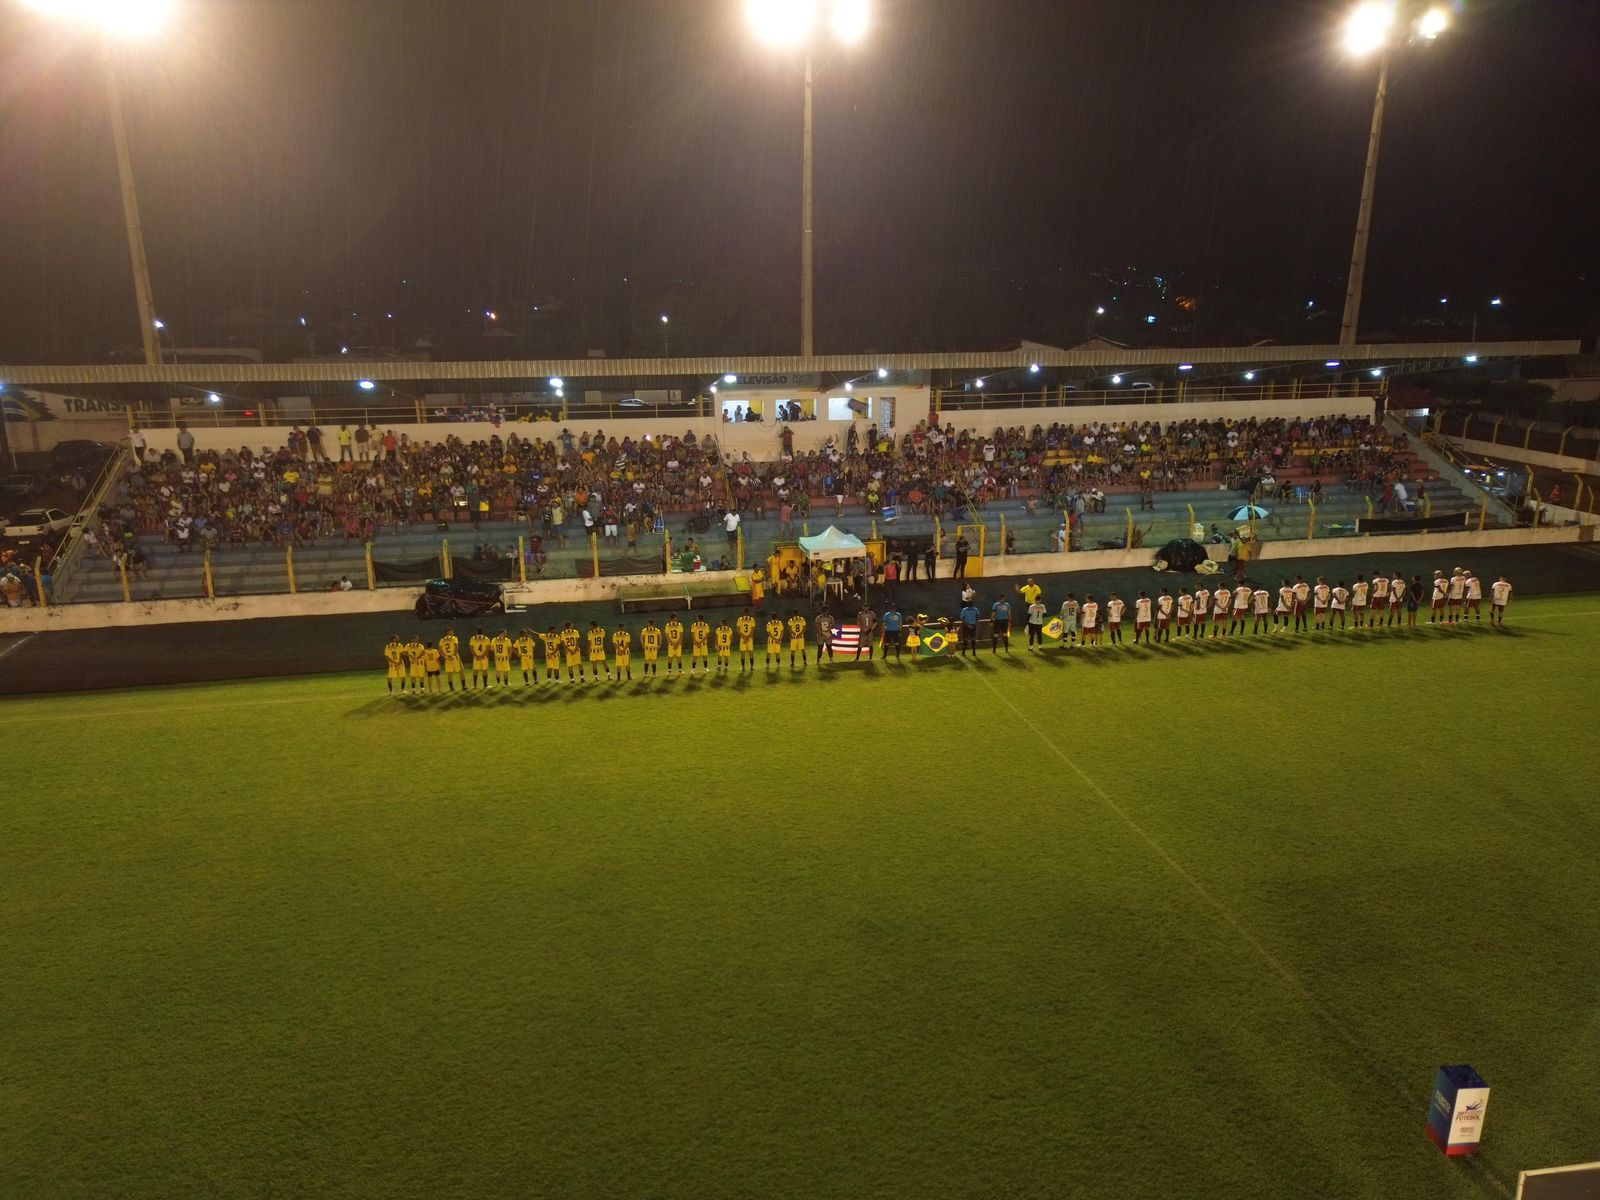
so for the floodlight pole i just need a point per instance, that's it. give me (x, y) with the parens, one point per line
(130, 213)
(807, 260)
(1369, 179)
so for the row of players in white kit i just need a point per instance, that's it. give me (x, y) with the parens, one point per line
(1449, 598)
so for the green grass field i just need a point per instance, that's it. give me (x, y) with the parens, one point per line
(1197, 921)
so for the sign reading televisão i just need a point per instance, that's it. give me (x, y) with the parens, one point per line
(797, 380)
(1455, 1114)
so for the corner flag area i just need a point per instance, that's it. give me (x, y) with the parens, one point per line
(1195, 919)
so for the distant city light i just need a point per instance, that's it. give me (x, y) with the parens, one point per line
(366, 385)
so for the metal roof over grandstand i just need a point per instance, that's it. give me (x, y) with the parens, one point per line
(408, 370)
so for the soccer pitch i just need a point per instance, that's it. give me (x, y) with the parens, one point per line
(1195, 920)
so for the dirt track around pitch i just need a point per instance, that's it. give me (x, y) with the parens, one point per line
(121, 657)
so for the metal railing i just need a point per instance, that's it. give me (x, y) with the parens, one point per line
(268, 414)
(946, 399)
(70, 554)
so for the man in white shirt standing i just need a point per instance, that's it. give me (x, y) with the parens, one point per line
(1221, 603)
(1499, 597)
(1441, 592)
(1319, 602)
(1281, 615)
(1474, 601)
(1341, 598)
(1261, 600)
(1091, 621)
(1458, 592)
(1185, 612)
(1115, 607)
(1202, 610)
(1069, 620)
(1241, 609)
(1358, 603)
(1302, 594)
(1141, 619)
(1397, 597)
(1164, 616)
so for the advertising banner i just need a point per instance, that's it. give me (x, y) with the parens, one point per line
(20, 404)
(1455, 1115)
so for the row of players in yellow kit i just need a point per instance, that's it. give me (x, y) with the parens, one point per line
(433, 667)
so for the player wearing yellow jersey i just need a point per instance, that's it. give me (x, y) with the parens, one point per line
(622, 645)
(774, 642)
(797, 641)
(572, 643)
(432, 662)
(416, 657)
(450, 651)
(700, 649)
(394, 653)
(597, 651)
(650, 640)
(551, 641)
(724, 638)
(524, 648)
(478, 643)
(674, 643)
(746, 625)
(501, 645)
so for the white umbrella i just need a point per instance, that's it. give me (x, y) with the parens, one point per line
(1246, 512)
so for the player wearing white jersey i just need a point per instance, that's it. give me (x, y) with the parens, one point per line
(1241, 609)
(1281, 615)
(1261, 602)
(1337, 604)
(1319, 602)
(1185, 612)
(1164, 616)
(1221, 605)
(1302, 596)
(1141, 619)
(1499, 597)
(1474, 602)
(1397, 598)
(1441, 593)
(1358, 603)
(1458, 590)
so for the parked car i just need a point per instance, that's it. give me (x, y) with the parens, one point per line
(37, 522)
(80, 453)
(459, 598)
(20, 485)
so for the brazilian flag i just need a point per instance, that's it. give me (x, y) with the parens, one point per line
(1053, 629)
(938, 643)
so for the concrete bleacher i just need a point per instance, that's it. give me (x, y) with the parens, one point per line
(258, 569)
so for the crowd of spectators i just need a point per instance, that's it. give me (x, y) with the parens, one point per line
(577, 483)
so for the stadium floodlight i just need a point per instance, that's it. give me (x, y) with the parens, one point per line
(849, 386)
(557, 382)
(213, 398)
(1472, 358)
(1116, 379)
(1496, 302)
(344, 349)
(1099, 310)
(1150, 319)
(713, 389)
(730, 378)
(782, 22)
(663, 318)
(366, 385)
(849, 20)
(978, 383)
(1249, 376)
(1368, 27)
(119, 18)
(1185, 366)
(883, 372)
(1033, 368)
(1331, 363)
(490, 314)
(1376, 372)
(159, 324)
(1433, 22)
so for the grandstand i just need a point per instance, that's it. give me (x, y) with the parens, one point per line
(1017, 489)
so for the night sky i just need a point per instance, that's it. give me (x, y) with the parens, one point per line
(612, 159)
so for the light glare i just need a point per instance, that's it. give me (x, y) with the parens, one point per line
(1434, 22)
(849, 20)
(782, 22)
(120, 18)
(366, 385)
(1368, 27)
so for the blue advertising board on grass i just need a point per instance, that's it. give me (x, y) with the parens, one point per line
(1456, 1112)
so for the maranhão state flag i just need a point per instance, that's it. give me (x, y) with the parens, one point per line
(846, 639)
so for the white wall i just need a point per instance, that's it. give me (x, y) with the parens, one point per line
(985, 420)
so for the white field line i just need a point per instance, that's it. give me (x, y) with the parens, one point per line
(22, 641)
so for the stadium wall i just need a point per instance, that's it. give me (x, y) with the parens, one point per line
(556, 591)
